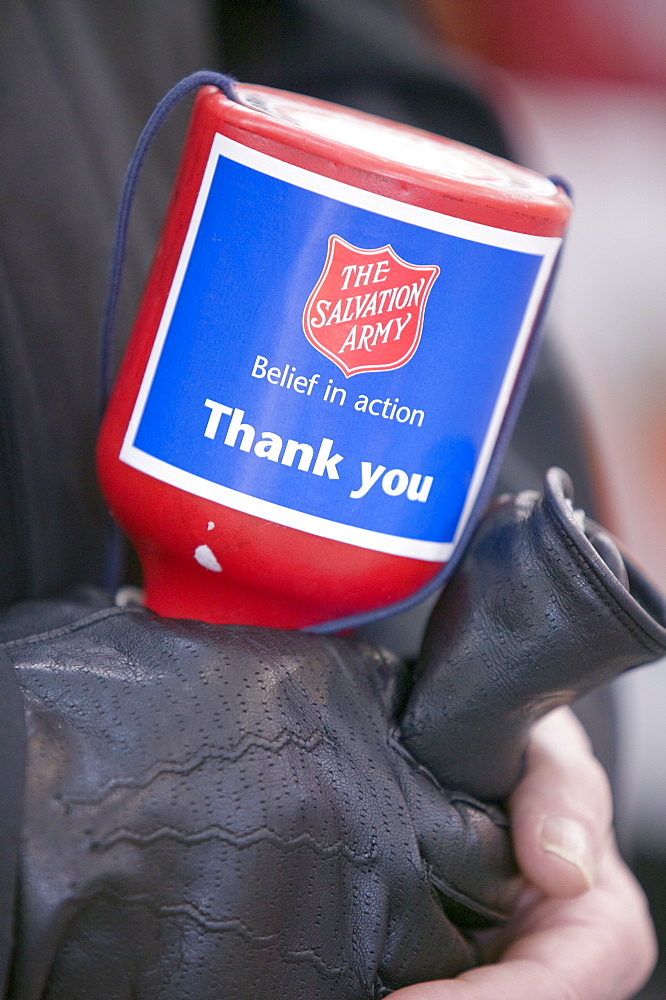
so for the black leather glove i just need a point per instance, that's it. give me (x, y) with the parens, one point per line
(230, 811)
(227, 811)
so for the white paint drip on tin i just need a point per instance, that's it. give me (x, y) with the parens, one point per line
(206, 558)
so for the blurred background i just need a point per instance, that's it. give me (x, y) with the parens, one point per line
(581, 86)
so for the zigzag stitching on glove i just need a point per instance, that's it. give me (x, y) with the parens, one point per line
(210, 924)
(249, 839)
(253, 939)
(249, 741)
(57, 633)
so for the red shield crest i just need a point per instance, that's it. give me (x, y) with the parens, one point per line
(366, 311)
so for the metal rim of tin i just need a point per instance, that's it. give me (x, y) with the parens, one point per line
(520, 199)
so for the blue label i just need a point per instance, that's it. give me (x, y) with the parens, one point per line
(332, 360)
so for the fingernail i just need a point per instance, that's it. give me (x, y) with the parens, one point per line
(571, 841)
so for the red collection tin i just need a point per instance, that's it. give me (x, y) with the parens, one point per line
(322, 359)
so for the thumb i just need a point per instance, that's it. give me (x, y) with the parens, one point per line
(561, 812)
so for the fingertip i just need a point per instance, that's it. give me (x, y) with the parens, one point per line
(560, 860)
(561, 812)
(567, 865)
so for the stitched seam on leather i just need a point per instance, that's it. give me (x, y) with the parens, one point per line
(443, 887)
(492, 812)
(186, 766)
(394, 743)
(210, 924)
(588, 569)
(64, 630)
(262, 834)
(378, 985)
(189, 911)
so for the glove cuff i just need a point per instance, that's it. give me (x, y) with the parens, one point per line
(543, 608)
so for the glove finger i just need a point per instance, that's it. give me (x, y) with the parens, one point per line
(421, 942)
(466, 847)
(536, 615)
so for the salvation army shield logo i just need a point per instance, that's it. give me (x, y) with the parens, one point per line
(366, 311)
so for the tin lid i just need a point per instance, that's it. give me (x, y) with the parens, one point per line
(398, 143)
(430, 170)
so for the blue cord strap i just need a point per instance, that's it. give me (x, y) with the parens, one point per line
(115, 545)
(200, 79)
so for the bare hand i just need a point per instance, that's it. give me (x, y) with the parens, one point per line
(582, 930)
